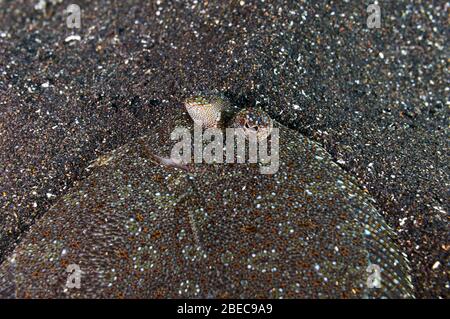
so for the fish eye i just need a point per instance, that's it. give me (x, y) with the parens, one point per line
(254, 122)
(206, 110)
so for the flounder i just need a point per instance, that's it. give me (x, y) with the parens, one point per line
(137, 228)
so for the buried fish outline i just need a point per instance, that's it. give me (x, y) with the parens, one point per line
(142, 229)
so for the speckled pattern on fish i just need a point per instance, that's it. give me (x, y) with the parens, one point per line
(137, 229)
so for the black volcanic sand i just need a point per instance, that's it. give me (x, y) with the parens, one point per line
(376, 99)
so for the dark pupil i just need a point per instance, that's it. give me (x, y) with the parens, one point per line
(255, 128)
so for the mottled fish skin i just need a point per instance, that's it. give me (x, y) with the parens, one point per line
(142, 230)
(254, 122)
(206, 109)
(8, 279)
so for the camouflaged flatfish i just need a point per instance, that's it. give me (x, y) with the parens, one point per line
(137, 228)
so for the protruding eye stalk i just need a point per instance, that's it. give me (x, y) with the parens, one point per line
(209, 110)
(254, 122)
(206, 110)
